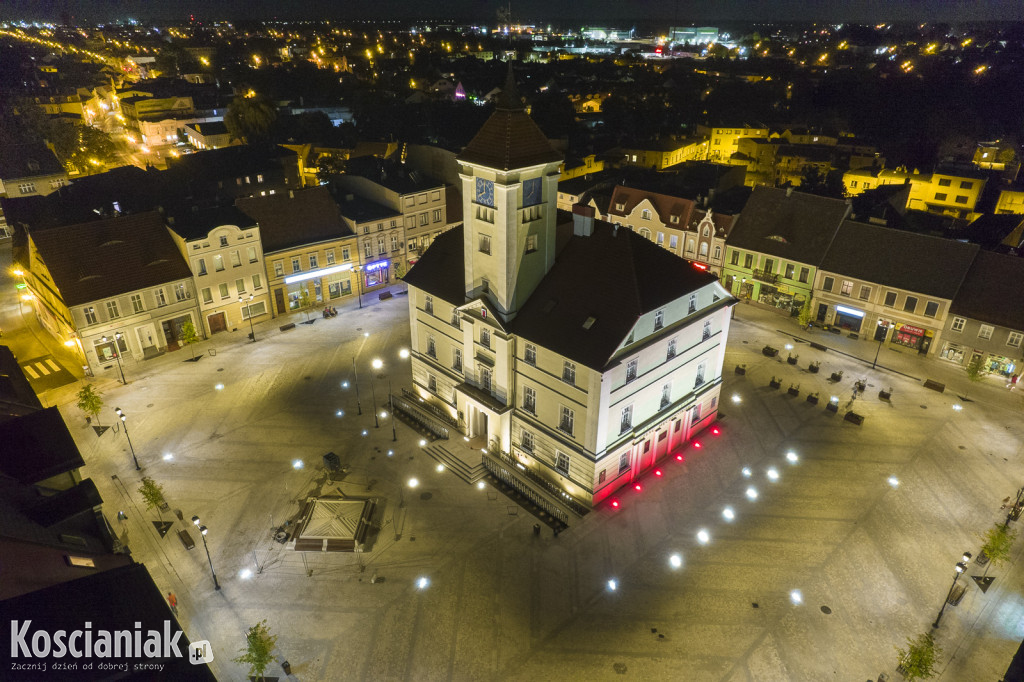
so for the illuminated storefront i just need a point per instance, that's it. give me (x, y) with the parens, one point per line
(848, 318)
(376, 274)
(322, 285)
(909, 336)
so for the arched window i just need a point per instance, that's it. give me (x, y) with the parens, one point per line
(645, 233)
(704, 249)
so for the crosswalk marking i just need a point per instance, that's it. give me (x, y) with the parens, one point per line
(30, 372)
(52, 365)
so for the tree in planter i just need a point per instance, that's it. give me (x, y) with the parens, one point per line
(976, 370)
(305, 301)
(90, 402)
(259, 645)
(917, 661)
(153, 493)
(997, 543)
(189, 336)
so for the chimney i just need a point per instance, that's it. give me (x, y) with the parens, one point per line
(582, 220)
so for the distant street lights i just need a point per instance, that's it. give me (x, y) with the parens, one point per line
(117, 353)
(124, 421)
(960, 567)
(202, 531)
(252, 331)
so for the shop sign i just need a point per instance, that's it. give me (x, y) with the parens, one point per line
(849, 311)
(370, 267)
(916, 331)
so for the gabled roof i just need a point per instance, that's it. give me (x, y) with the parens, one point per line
(992, 291)
(440, 271)
(792, 225)
(37, 446)
(899, 259)
(292, 219)
(666, 206)
(27, 161)
(192, 221)
(578, 287)
(509, 139)
(105, 258)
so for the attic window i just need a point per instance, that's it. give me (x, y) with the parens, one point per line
(550, 305)
(777, 238)
(589, 322)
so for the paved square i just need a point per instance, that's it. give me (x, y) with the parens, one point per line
(871, 561)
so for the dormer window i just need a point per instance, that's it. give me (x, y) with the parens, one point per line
(645, 214)
(659, 320)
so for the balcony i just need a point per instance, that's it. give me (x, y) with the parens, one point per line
(768, 277)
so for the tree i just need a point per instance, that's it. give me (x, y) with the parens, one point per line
(997, 543)
(917, 661)
(976, 370)
(189, 336)
(305, 301)
(805, 314)
(82, 147)
(250, 117)
(153, 493)
(90, 402)
(259, 645)
(400, 270)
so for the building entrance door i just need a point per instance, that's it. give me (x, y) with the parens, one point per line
(279, 301)
(822, 312)
(480, 424)
(218, 322)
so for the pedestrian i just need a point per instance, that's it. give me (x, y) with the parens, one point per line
(173, 601)
(1013, 382)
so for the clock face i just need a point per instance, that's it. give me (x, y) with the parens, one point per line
(531, 192)
(485, 192)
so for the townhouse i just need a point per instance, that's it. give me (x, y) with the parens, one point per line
(776, 245)
(28, 170)
(890, 286)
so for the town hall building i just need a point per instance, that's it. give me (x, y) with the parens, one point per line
(576, 353)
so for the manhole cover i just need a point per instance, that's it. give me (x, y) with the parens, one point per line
(746, 342)
(150, 405)
(220, 369)
(826, 610)
(426, 496)
(924, 407)
(962, 447)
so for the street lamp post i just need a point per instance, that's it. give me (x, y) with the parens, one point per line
(355, 382)
(376, 363)
(391, 406)
(202, 531)
(359, 284)
(252, 331)
(124, 421)
(117, 353)
(880, 333)
(960, 567)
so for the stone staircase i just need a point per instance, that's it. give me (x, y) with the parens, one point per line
(464, 462)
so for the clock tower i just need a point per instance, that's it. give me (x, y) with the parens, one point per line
(509, 177)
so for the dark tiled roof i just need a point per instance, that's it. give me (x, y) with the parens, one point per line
(993, 231)
(66, 504)
(27, 160)
(209, 128)
(899, 259)
(992, 291)
(191, 221)
(392, 175)
(231, 161)
(37, 446)
(17, 397)
(792, 225)
(360, 210)
(509, 139)
(110, 600)
(287, 220)
(647, 277)
(440, 270)
(104, 258)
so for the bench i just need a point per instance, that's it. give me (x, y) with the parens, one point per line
(384, 295)
(818, 346)
(286, 327)
(741, 369)
(935, 385)
(775, 383)
(186, 539)
(854, 418)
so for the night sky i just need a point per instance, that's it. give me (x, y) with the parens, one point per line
(581, 11)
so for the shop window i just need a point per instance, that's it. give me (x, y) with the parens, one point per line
(958, 324)
(985, 332)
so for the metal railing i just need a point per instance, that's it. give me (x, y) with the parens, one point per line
(546, 486)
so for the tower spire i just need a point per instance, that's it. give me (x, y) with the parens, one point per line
(509, 99)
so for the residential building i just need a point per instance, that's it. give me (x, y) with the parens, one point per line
(952, 191)
(224, 252)
(575, 382)
(380, 236)
(661, 153)
(777, 244)
(986, 318)
(723, 141)
(116, 281)
(889, 285)
(208, 135)
(307, 246)
(28, 170)
(1011, 200)
(419, 198)
(236, 171)
(574, 167)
